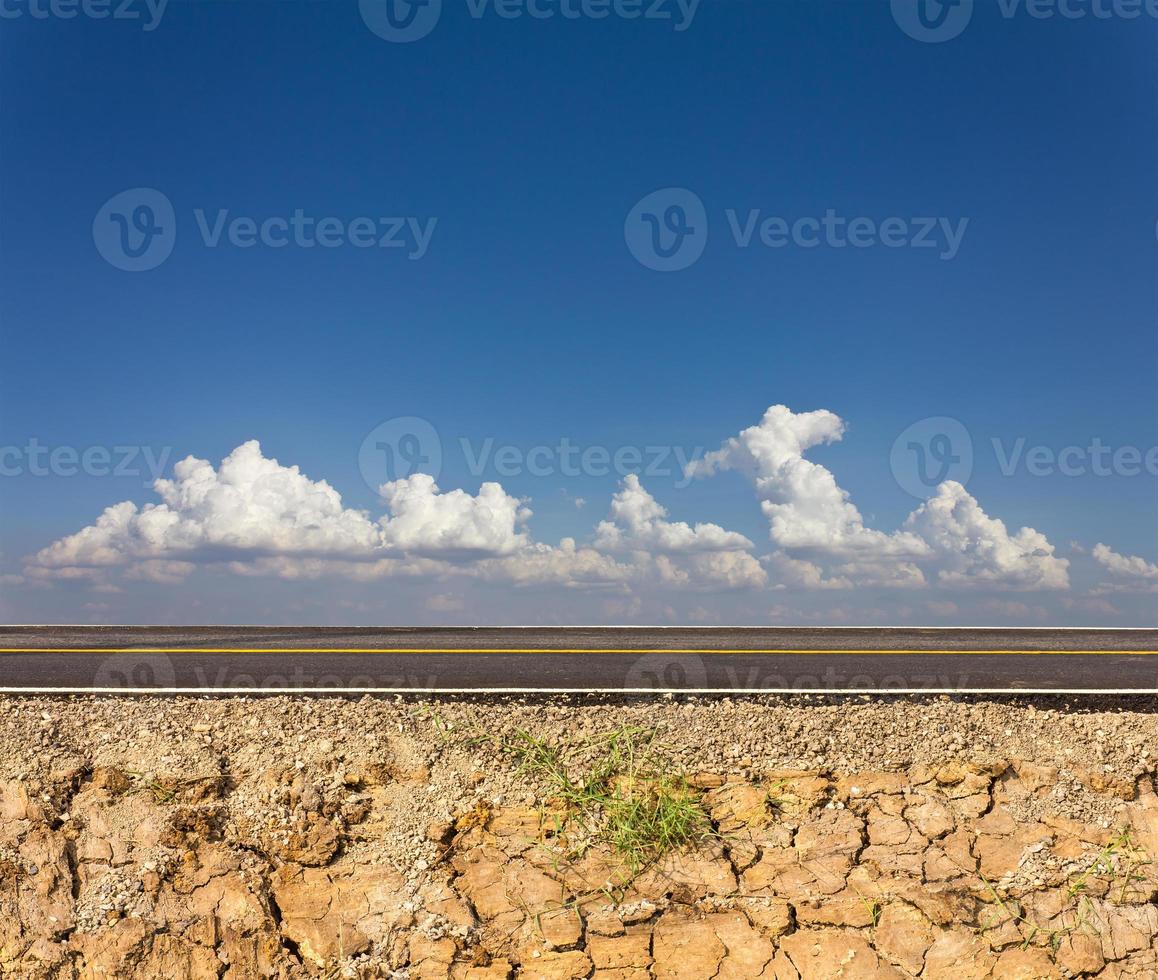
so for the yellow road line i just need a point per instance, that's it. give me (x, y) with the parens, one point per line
(638, 651)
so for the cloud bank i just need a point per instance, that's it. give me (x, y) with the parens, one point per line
(948, 539)
(253, 516)
(1128, 573)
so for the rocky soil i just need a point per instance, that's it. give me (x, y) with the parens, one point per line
(296, 837)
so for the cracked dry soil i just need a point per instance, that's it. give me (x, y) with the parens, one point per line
(290, 837)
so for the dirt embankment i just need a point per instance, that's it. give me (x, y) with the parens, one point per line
(291, 837)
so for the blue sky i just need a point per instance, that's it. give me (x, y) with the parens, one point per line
(521, 145)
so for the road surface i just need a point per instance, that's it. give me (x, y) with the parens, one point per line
(232, 660)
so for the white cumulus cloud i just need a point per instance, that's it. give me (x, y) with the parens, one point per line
(971, 548)
(428, 522)
(822, 536)
(805, 507)
(260, 516)
(253, 516)
(249, 504)
(1130, 573)
(638, 523)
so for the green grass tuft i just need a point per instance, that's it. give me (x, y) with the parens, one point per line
(616, 789)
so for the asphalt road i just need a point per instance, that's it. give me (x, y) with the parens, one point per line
(230, 660)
